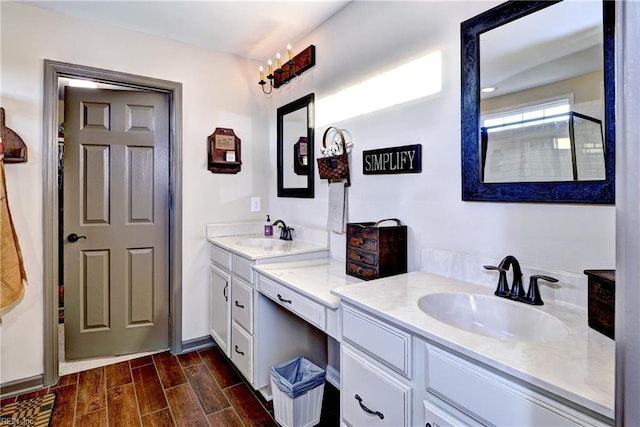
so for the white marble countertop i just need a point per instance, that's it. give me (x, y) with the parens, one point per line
(269, 248)
(313, 278)
(579, 368)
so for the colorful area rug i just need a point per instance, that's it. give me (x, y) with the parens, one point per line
(34, 412)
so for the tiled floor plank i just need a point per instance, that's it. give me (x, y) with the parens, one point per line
(93, 419)
(159, 419)
(64, 410)
(66, 380)
(210, 393)
(148, 389)
(91, 391)
(249, 410)
(189, 359)
(184, 406)
(118, 374)
(220, 367)
(141, 361)
(169, 370)
(226, 417)
(207, 390)
(121, 404)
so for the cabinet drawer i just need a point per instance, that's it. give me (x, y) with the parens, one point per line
(363, 257)
(491, 398)
(242, 351)
(362, 271)
(242, 305)
(376, 390)
(384, 342)
(309, 310)
(363, 242)
(242, 268)
(220, 257)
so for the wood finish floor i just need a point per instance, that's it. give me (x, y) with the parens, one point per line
(200, 388)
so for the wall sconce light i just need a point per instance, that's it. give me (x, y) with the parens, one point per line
(291, 69)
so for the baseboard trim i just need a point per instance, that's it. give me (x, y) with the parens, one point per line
(197, 344)
(24, 385)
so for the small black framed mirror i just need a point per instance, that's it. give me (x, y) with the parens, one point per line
(295, 129)
(534, 56)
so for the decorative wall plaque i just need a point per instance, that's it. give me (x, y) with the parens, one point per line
(224, 151)
(393, 160)
(15, 150)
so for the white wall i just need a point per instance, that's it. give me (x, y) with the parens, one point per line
(216, 93)
(367, 38)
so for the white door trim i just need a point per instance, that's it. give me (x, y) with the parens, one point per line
(53, 70)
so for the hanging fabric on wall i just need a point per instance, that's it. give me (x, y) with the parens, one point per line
(12, 273)
(338, 207)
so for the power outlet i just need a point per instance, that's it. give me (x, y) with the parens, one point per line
(256, 204)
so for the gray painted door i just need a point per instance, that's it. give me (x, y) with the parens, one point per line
(116, 198)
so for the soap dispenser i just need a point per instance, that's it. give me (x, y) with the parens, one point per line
(268, 228)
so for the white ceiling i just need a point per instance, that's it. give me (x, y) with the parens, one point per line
(251, 29)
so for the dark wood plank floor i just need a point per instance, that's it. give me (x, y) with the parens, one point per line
(201, 388)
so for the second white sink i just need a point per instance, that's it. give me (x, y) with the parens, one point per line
(493, 316)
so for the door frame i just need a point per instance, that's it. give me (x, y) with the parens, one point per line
(53, 70)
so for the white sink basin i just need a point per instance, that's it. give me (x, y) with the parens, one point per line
(493, 316)
(260, 242)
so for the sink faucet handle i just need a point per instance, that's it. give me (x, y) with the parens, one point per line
(533, 294)
(503, 288)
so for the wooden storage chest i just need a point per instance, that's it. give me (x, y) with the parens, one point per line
(601, 301)
(375, 251)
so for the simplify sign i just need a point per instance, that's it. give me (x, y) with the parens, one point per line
(405, 159)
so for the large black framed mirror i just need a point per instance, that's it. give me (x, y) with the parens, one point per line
(295, 148)
(543, 68)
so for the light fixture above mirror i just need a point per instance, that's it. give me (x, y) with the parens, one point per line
(286, 72)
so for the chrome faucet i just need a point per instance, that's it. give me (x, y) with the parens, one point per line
(517, 291)
(285, 232)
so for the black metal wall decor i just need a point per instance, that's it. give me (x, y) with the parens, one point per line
(393, 160)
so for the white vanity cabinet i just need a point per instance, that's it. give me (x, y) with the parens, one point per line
(392, 377)
(251, 330)
(491, 397)
(219, 320)
(375, 359)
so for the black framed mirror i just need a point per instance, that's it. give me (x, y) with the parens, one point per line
(295, 148)
(529, 71)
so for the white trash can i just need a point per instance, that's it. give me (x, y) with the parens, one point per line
(297, 387)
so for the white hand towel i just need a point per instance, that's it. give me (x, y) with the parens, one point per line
(337, 216)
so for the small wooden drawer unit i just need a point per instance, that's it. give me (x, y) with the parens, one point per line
(375, 251)
(602, 301)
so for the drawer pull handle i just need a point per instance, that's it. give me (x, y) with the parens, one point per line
(238, 351)
(367, 410)
(239, 305)
(224, 291)
(288, 301)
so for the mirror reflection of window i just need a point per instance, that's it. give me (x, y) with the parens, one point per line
(537, 69)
